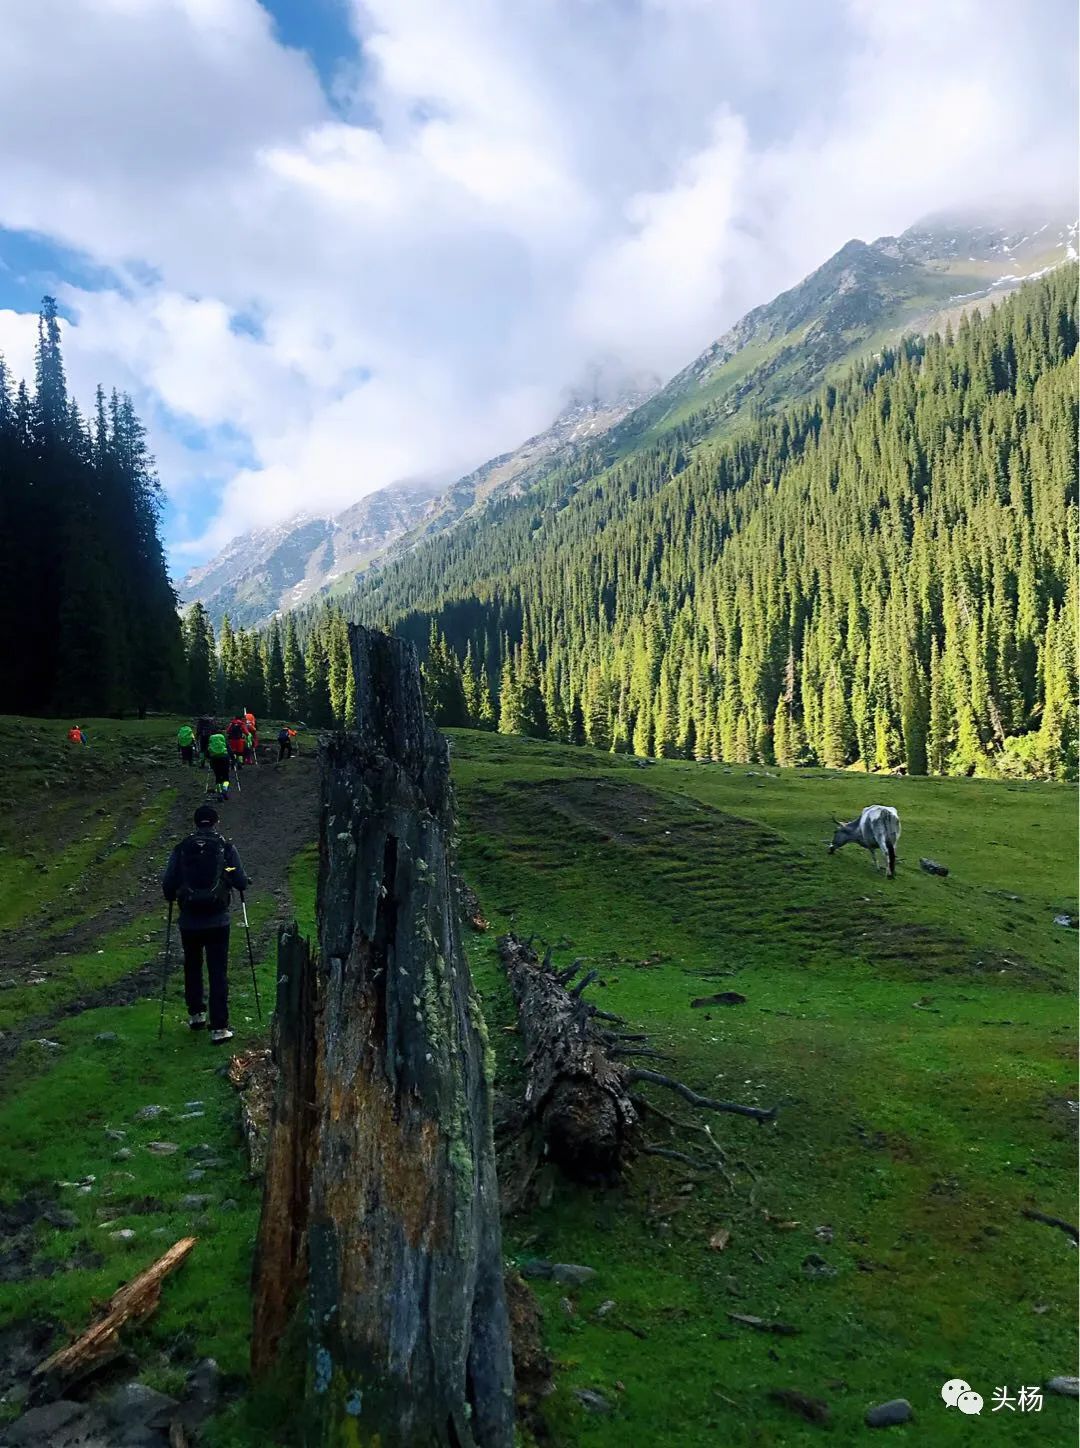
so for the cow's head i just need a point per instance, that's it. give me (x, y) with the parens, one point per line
(843, 835)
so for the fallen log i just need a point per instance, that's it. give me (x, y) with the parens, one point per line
(577, 1110)
(933, 868)
(575, 1095)
(100, 1343)
(380, 1243)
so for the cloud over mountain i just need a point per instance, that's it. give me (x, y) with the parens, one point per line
(316, 291)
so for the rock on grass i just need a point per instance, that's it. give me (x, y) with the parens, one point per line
(890, 1414)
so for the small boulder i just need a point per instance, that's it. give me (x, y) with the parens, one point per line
(149, 1113)
(124, 1154)
(137, 1406)
(569, 1274)
(162, 1148)
(721, 998)
(125, 1234)
(1064, 1387)
(592, 1400)
(815, 1266)
(193, 1203)
(47, 1424)
(890, 1414)
(106, 1038)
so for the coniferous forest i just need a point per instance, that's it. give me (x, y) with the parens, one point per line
(88, 618)
(882, 576)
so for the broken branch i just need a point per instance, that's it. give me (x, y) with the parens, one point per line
(758, 1113)
(100, 1342)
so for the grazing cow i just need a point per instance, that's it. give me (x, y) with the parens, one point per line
(877, 828)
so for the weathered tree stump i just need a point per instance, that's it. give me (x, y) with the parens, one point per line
(380, 1230)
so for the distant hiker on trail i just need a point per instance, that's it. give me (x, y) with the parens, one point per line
(249, 720)
(76, 735)
(217, 757)
(285, 742)
(249, 748)
(236, 734)
(202, 872)
(185, 743)
(204, 727)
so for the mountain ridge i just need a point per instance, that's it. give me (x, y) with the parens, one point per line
(862, 298)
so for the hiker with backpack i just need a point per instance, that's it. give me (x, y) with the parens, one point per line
(204, 727)
(236, 734)
(285, 743)
(217, 757)
(185, 744)
(202, 872)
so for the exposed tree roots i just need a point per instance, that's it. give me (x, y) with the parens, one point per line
(578, 1110)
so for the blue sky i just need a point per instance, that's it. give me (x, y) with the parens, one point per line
(330, 244)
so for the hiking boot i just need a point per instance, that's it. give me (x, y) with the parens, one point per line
(197, 1021)
(220, 1037)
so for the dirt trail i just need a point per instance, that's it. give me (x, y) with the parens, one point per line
(269, 818)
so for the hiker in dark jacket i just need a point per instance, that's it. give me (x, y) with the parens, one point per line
(202, 872)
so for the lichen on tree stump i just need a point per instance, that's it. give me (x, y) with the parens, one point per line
(397, 1269)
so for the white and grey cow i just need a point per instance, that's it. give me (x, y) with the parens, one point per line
(877, 828)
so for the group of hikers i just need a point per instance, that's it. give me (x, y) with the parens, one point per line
(204, 869)
(224, 748)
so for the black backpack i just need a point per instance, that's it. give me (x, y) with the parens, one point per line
(283, 736)
(236, 731)
(203, 889)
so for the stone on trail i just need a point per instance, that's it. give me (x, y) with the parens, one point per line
(136, 1406)
(106, 1037)
(190, 1115)
(51, 1423)
(162, 1148)
(114, 1135)
(193, 1202)
(890, 1414)
(150, 1113)
(125, 1234)
(124, 1154)
(196, 1175)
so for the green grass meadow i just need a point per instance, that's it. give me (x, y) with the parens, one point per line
(919, 1036)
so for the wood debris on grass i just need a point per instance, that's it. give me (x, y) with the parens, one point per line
(100, 1343)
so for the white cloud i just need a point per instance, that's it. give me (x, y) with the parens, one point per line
(334, 298)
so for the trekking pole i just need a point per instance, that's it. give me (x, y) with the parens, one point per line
(165, 972)
(236, 775)
(251, 956)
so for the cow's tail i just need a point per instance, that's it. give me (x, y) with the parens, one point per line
(891, 849)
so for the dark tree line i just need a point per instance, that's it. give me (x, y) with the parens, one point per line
(883, 575)
(88, 621)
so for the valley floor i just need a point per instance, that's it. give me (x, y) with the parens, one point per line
(919, 1034)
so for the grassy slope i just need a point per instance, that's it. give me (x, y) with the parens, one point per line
(917, 1132)
(106, 806)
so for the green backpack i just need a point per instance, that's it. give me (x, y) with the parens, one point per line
(217, 747)
(185, 736)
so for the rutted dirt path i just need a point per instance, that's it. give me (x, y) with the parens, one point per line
(270, 818)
